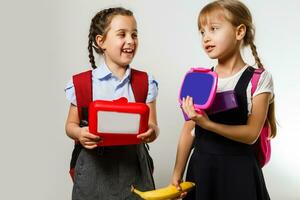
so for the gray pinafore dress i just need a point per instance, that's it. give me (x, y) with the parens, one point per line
(107, 173)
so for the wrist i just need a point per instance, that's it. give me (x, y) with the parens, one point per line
(155, 129)
(208, 125)
(176, 177)
(77, 133)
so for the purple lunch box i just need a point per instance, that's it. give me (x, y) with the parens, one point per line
(223, 101)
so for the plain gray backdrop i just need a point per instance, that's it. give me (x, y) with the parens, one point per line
(43, 43)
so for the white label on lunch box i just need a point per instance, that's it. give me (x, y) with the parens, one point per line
(116, 122)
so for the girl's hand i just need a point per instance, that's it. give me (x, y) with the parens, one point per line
(150, 135)
(176, 182)
(188, 107)
(87, 139)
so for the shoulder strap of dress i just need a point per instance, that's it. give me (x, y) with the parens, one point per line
(244, 80)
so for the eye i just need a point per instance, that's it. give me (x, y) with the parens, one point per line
(214, 28)
(134, 35)
(202, 32)
(121, 34)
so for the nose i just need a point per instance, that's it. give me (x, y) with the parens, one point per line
(205, 38)
(129, 39)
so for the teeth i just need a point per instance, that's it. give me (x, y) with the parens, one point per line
(128, 50)
(209, 47)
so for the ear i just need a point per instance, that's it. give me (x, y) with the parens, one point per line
(241, 32)
(100, 41)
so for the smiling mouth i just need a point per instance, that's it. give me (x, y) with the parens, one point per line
(127, 50)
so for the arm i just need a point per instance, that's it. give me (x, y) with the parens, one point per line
(152, 114)
(81, 134)
(247, 133)
(183, 151)
(153, 131)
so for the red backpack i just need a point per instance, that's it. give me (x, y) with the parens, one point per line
(83, 90)
(263, 143)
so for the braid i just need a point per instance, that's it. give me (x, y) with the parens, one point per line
(99, 26)
(254, 53)
(237, 13)
(91, 54)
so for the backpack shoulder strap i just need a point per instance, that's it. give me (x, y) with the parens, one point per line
(254, 81)
(139, 85)
(83, 91)
(255, 78)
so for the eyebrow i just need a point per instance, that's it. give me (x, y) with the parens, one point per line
(211, 24)
(214, 23)
(134, 30)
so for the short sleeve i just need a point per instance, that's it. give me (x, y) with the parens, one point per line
(70, 93)
(265, 84)
(152, 89)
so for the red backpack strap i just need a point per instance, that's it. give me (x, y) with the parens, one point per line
(139, 85)
(255, 78)
(83, 91)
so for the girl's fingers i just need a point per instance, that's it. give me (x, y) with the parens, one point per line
(91, 136)
(188, 107)
(89, 143)
(147, 136)
(190, 102)
(182, 195)
(90, 146)
(144, 135)
(183, 104)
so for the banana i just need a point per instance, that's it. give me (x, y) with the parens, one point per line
(168, 192)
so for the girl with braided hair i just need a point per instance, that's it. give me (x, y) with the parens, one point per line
(223, 163)
(107, 173)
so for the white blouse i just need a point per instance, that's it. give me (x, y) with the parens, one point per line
(265, 84)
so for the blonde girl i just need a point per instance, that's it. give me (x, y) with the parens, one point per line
(223, 163)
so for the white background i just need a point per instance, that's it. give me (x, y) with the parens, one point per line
(43, 43)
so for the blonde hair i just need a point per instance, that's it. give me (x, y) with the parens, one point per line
(237, 13)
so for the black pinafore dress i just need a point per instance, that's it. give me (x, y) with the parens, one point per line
(224, 169)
